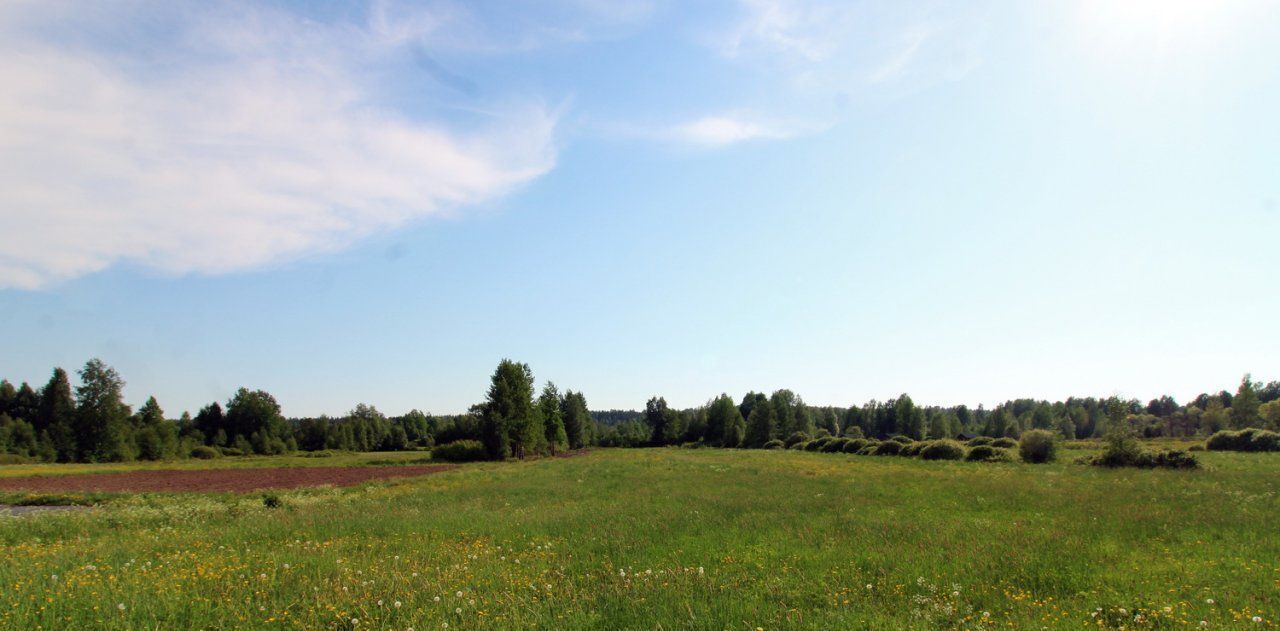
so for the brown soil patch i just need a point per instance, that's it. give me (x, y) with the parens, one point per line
(215, 480)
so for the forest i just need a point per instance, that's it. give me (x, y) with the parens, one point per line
(90, 421)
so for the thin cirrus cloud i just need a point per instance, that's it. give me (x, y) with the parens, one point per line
(821, 56)
(725, 129)
(256, 141)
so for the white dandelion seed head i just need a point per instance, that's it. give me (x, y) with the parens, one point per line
(120, 606)
(1209, 601)
(397, 604)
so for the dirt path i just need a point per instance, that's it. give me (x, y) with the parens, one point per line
(216, 480)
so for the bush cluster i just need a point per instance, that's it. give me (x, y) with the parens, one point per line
(1036, 446)
(775, 444)
(1004, 442)
(460, 451)
(1244, 440)
(942, 450)
(1126, 451)
(988, 453)
(204, 452)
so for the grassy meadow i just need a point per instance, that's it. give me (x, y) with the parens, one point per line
(673, 539)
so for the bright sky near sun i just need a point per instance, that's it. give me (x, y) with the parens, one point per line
(340, 202)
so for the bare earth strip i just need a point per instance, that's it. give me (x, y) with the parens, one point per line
(214, 480)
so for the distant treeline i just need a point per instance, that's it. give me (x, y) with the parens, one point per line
(91, 422)
(759, 418)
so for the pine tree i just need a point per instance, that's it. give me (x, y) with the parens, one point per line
(102, 418)
(578, 425)
(722, 414)
(760, 426)
(508, 410)
(58, 415)
(1244, 407)
(658, 416)
(553, 419)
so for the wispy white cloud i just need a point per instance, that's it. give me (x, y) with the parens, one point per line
(814, 49)
(730, 128)
(256, 140)
(794, 27)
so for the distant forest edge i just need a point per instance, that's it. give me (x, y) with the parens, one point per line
(92, 423)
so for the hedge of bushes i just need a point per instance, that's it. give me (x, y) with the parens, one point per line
(1126, 451)
(1036, 446)
(460, 451)
(1244, 440)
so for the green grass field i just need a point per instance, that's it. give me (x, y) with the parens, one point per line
(674, 539)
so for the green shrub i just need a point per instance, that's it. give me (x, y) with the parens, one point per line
(853, 431)
(460, 451)
(1036, 446)
(204, 452)
(1123, 450)
(988, 453)
(822, 433)
(943, 450)
(15, 459)
(775, 444)
(323, 453)
(905, 440)
(888, 448)
(231, 451)
(980, 440)
(1196, 448)
(1004, 442)
(1244, 440)
(854, 445)
(271, 500)
(817, 444)
(869, 449)
(798, 437)
(835, 445)
(911, 450)
(800, 446)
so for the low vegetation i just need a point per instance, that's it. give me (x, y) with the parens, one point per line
(705, 539)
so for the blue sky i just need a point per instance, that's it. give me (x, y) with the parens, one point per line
(345, 203)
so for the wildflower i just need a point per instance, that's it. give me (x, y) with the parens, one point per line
(955, 593)
(459, 594)
(1257, 618)
(436, 599)
(622, 573)
(355, 622)
(868, 585)
(986, 614)
(286, 566)
(700, 571)
(1168, 610)
(120, 606)
(54, 577)
(397, 604)
(1208, 601)
(548, 586)
(415, 575)
(458, 611)
(379, 602)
